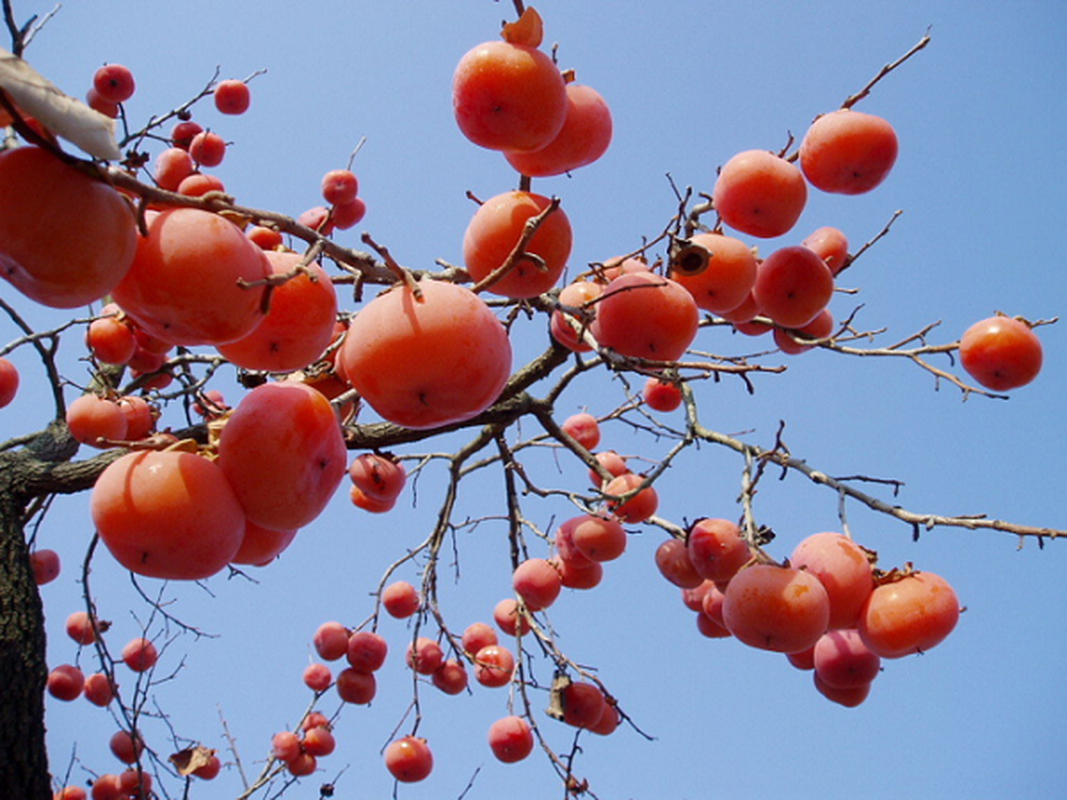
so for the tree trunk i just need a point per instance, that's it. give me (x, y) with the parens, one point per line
(39, 469)
(23, 669)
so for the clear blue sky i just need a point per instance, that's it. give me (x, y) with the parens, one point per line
(981, 117)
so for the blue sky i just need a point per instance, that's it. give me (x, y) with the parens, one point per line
(980, 114)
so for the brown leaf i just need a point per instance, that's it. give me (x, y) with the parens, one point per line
(527, 30)
(191, 759)
(62, 114)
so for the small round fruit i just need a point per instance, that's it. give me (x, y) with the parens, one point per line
(424, 655)
(760, 193)
(497, 228)
(776, 608)
(508, 97)
(401, 599)
(168, 514)
(493, 666)
(510, 620)
(114, 83)
(451, 677)
(45, 564)
(339, 186)
(409, 760)
(584, 137)
(639, 507)
(66, 682)
(716, 549)
(430, 361)
(843, 661)
(843, 568)
(283, 453)
(583, 428)
(792, 286)
(848, 152)
(355, 686)
(672, 559)
(232, 97)
(909, 615)
(831, 245)
(644, 315)
(140, 654)
(511, 739)
(1001, 353)
(9, 382)
(660, 395)
(331, 640)
(718, 270)
(537, 582)
(66, 239)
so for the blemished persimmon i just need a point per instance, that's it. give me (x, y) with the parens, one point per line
(792, 286)
(184, 285)
(843, 568)
(66, 239)
(645, 315)
(584, 137)
(283, 453)
(718, 270)
(508, 97)
(496, 229)
(848, 152)
(909, 615)
(377, 476)
(760, 193)
(776, 608)
(429, 361)
(1001, 353)
(167, 514)
(299, 325)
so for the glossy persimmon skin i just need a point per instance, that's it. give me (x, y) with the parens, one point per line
(66, 239)
(725, 280)
(792, 286)
(429, 362)
(760, 193)
(909, 615)
(409, 760)
(848, 152)
(583, 139)
(776, 608)
(283, 453)
(508, 97)
(299, 325)
(1001, 353)
(843, 568)
(645, 315)
(167, 514)
(495, 230)
(184, 284)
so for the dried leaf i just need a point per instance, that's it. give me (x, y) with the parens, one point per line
(191, 759)
(560, 682)
(62, 114)
(527, 30)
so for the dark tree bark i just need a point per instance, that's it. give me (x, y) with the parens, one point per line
(40, 468)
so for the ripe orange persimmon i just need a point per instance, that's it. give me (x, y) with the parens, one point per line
(843, 568)
(283, 453)
(184, 284)
(776, 608)
(429, 361)
(167, 515)
(719, 271)
(299, 325)
(409, 760)
(66, 239)
(508, 97)
(909, 615)
(1001, 353)
(760, 193)
(848, 152)
(792, 286)
(496, 229)
(645, 315)
(584, 137)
